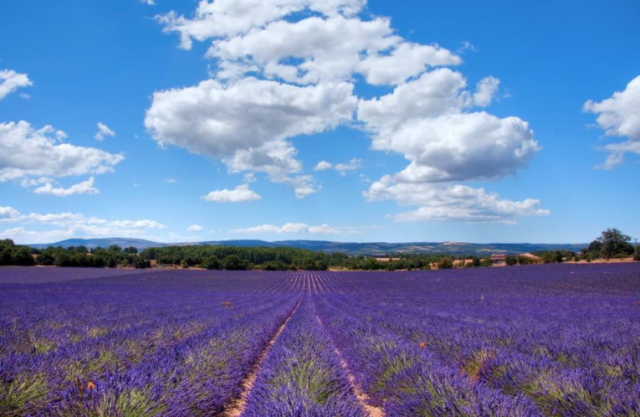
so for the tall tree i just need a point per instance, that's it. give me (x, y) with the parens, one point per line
(614, 242)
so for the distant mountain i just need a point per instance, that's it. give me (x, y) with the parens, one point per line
(351, 248)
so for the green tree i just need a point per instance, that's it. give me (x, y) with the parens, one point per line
(211, 262)
(233, 263)
(614, 243)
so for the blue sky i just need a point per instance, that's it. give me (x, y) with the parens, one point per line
(335, 120)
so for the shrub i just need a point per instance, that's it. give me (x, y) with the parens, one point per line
(445, 263)
(211, 262)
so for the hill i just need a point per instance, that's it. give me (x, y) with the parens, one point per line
(350, 248)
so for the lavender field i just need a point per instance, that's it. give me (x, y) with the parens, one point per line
(549, 340)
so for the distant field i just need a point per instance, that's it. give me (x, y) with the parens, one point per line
(547, 340)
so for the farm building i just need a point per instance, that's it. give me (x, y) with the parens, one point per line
(498, 258)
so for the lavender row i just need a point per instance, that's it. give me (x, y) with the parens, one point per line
(407, 380)
(144, 350)
(572, 352)
(302, 375)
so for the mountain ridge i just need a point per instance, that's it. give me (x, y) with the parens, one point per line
(350, 248)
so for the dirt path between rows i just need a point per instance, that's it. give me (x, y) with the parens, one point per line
(363, 399)
(237, 406)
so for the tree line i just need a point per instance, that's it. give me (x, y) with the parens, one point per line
(611, 244)
(73, 256)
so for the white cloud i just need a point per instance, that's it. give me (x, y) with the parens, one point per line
(435, 93)
(406, 61)
(352, 165)
(424, 121)
(330, 50)
(27, 152)
(303, 185)
(195, 228)
(10, 81)
(619, 116)
(149, 2)
(303, 57)
(240, 194)
(451, 203)
(323, 229)
(69, 225)
(223, 18)
(466, 46)
(247, 123)
(22, 235)
(290, 228)
(85, 187)
(485, 91)
(460, 147)
(8, 214)
(323, 166)
(171, 180)
(103, 132)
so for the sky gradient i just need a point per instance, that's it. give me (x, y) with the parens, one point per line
(333, 120)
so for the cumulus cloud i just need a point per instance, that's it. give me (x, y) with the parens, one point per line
(70, 225)
(85, 187)
(451, 203)
(460, 147)
(286, 68)
(619, 115)
(485, 91)
(10, 81)
(424, 120)
(103, 132)
(195, 228)
(384, 69)
(240, 194)
(435, 93)
(225, 18)
(331, 49)
(247, 123)
(29, 152)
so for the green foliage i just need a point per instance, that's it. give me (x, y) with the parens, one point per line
(211, 262)
(11, 254)
(234, 263)
(612, 243)
(287, 258)
(486, 262)
(511, 260)
(526, 260)
(615, 244)
(552, 257)
(80, 256)
(445, 263)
